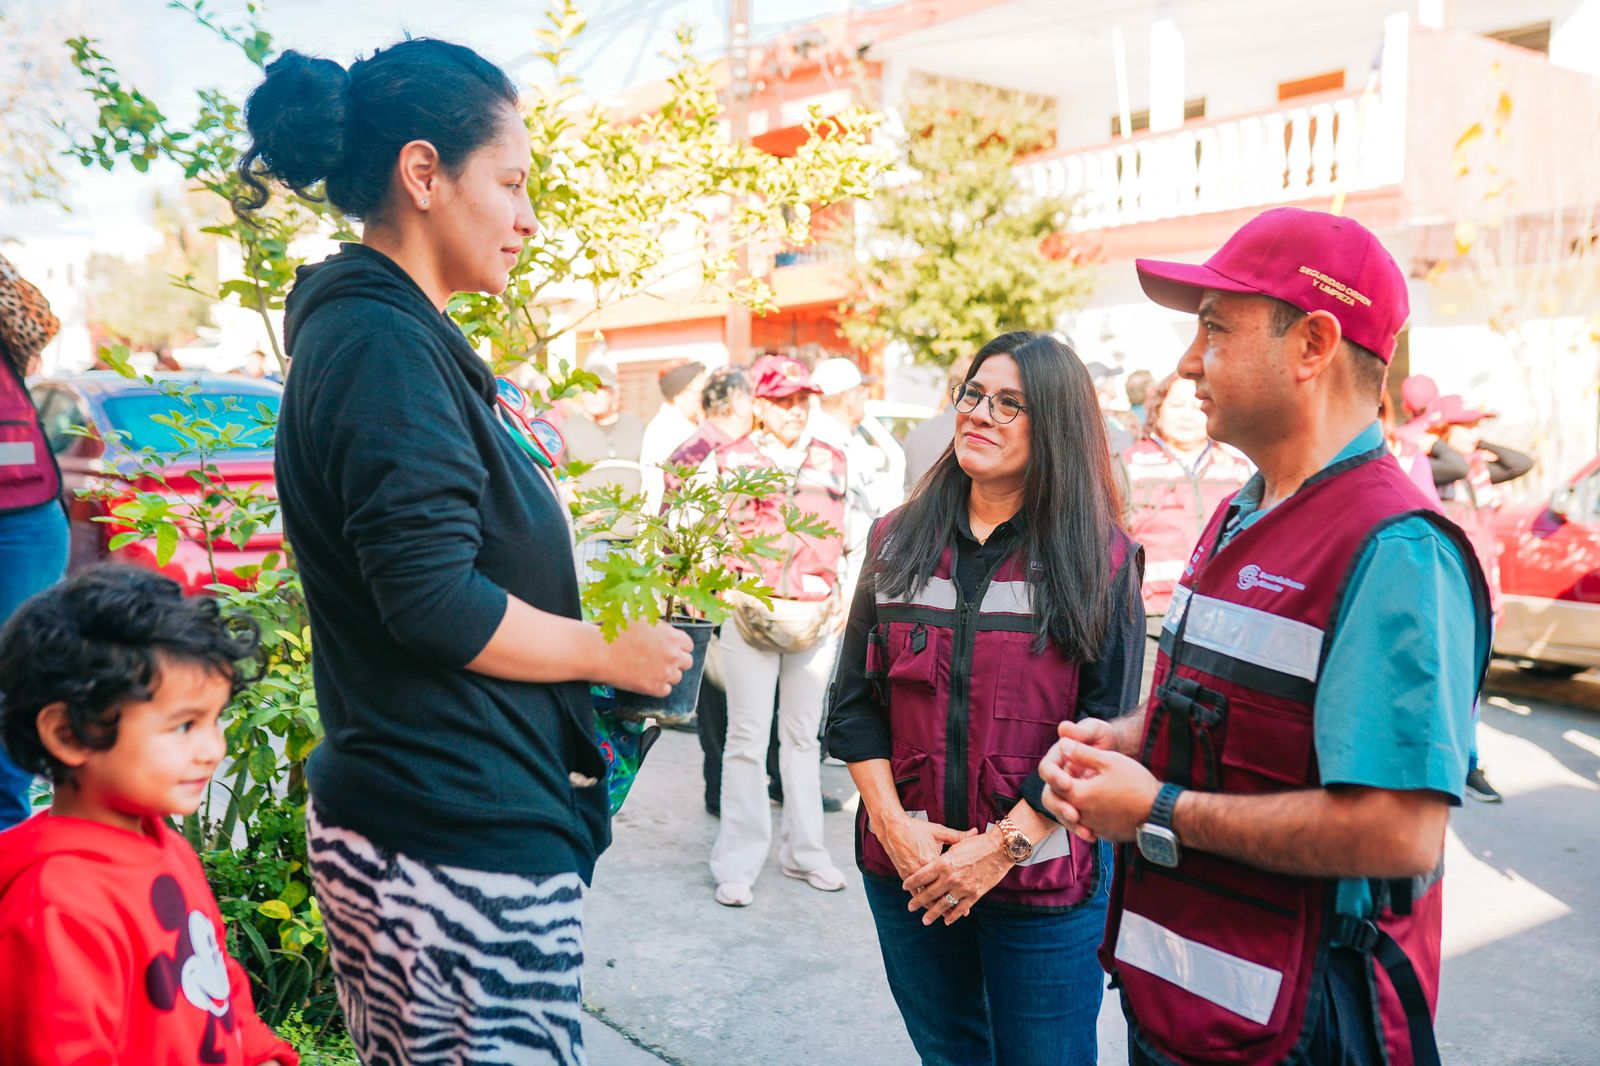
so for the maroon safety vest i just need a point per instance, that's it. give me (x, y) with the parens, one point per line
(972, 710)
(818, 489)
(1168, 505)
(1217, 959)
(28, 473)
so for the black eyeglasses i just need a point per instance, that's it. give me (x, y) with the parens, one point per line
(1004, 409)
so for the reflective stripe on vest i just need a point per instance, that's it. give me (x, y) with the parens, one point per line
(1246, 988)
(18, 453)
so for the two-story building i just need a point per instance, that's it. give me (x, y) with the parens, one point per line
(1466, 133)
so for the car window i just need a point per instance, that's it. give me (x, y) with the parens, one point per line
(136, 415)
(1586, 497)
(58, 415)
(899, 426)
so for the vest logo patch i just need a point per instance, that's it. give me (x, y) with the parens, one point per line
(1253, 577)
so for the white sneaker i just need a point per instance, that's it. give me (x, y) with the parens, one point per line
(824, 879)
(735, 894)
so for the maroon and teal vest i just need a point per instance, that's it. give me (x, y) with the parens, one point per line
(28, 474)
(1217, 959)
(972, 710)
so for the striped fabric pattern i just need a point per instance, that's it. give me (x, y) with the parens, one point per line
(436, 964)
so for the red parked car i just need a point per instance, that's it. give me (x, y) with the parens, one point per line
(1550, 578)
(100, 402)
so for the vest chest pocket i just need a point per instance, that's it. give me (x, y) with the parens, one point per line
(1040, 688)
(913, 654)
(1267, 749)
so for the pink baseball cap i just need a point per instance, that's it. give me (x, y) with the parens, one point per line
(1419, 394)
(777, 376)
(1453, 411)
(1311, 259)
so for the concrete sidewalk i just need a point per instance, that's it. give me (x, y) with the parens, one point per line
(795, 979)
(606, 1046)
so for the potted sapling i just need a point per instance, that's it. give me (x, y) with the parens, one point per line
(681, 563)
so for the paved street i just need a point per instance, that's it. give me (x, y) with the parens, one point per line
(796, 978)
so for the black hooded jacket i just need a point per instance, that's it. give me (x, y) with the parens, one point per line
(412, 515)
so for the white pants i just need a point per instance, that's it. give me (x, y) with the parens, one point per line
(745, 834)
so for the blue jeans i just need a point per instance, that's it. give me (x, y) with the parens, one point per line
(33, 556)
(998, 988)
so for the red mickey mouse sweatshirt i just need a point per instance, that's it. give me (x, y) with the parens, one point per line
(110, 953)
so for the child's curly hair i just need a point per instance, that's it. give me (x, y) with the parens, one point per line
(96, 641)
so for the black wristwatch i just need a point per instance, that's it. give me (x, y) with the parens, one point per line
(1157, 842)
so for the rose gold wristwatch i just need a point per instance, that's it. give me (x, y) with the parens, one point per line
(1018, 847)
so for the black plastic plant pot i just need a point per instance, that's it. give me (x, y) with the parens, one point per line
(677, 706)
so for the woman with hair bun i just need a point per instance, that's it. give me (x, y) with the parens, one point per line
(458, 802)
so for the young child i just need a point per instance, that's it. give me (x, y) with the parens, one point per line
(112, 684)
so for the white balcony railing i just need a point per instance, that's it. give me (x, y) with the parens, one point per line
(1345, 144)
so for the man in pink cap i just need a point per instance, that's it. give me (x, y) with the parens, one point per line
(1283, 798)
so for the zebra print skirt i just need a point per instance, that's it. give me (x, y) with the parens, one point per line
(436, 964)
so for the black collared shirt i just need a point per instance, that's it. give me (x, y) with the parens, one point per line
(1108, 687)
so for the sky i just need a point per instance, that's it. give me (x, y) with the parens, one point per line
(168, 56)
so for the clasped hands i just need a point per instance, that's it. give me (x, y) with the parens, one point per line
(1092, 789)
(936, 861)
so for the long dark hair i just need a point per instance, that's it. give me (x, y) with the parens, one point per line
(310, 120)
(1070, 506)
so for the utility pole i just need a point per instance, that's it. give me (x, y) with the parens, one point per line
(736, 333)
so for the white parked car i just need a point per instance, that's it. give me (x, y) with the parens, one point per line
(886, 424)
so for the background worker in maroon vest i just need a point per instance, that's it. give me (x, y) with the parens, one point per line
(1289, 784)
(1000, 599)
(33, 525)
(808, 571)
(1177, 475)
(727, 402)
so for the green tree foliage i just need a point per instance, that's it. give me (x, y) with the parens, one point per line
(159, 298)
(134, 299)
(959, 249)
(131, 129)
(626, 204)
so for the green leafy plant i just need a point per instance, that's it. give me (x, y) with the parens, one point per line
(677, 562)
(316, 1047)
(961, 250)
(253, 846)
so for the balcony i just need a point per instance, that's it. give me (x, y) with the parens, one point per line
(1309, 151)
(1391, 151)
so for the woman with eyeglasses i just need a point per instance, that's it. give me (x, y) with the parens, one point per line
(1002, 598)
